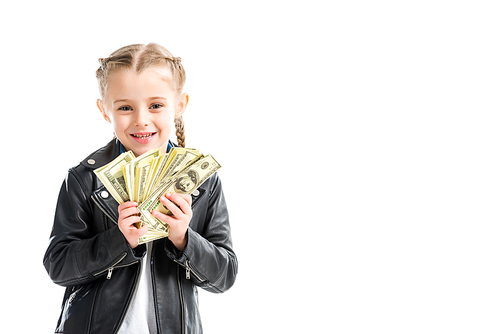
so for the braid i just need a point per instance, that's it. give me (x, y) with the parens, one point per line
(179, 132)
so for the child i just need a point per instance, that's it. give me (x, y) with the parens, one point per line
(114, 285)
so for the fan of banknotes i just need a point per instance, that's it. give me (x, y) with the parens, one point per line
(146, 178)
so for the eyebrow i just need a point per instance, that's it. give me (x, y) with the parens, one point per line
(150, 98)
(122, 100)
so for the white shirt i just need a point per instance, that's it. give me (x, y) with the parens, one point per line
(140, 317)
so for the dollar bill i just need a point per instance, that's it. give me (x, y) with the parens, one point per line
(141, 174)
(111, 175)
(178, 159)
(136, 171)
(152, 235)
(187, 158)
(184, 182)
(129, 181)
(146, 178)
(153, 224)
(152, 173)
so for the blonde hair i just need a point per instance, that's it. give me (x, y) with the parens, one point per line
(140, 57)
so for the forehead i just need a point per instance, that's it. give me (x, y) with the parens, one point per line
(152, 81)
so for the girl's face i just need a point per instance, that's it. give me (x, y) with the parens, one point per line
(142, 108)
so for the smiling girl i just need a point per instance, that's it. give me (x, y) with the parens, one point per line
(114, 285)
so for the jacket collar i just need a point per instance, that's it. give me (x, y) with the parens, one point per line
(103, 155)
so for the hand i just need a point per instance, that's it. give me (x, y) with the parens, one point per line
(127, 217)
(181, 216)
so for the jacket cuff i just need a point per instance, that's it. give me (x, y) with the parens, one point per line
(175, 254)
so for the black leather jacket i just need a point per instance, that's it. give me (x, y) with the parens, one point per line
(90, 256)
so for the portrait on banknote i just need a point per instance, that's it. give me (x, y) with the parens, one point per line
(187, 183)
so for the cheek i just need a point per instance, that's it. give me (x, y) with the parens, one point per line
(165, 123)
(119, 123)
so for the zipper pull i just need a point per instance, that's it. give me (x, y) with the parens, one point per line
(188, 271)
(110, 271)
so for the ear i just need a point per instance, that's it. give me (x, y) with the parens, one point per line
(102, 110)
(181, 105)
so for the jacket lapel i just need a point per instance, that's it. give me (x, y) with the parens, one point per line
(106, 203)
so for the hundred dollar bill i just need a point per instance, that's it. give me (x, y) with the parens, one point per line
(153, 172)
(174, 155)
(187, 158)
(177, 158)
(153, 224)
(129, 181)
(111, 175)
(146, 178)
(182, 159)
(185, 182)
(152, 235)
(135, 172)
(162, 165)
(141, 173)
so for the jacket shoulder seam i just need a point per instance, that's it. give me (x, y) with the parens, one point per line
(78, 179)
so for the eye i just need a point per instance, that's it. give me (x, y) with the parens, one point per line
(125, 108)
(156, 106)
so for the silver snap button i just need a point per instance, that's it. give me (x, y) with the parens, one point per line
(105, 194)
(196, 192)
(91, 161)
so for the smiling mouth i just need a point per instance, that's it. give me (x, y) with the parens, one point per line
(143, 135)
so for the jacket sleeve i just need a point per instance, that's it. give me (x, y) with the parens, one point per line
(78, 251)
(208, 256)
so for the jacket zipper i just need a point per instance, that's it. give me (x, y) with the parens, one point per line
(189, 270)
(181, 299)
(153, 285)
(110, 269)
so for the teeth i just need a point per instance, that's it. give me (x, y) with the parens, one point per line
(142, 136)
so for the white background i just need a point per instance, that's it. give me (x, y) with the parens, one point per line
(359, 142)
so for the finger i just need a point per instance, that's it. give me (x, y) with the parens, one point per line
(176, 211)
(186, 197)
(130, 221)
(163, 217)
(129, 212)
(182, 200)
(126, 205)
(142, 231)
(134, 235)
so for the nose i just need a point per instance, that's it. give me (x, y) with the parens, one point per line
(141, 117)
